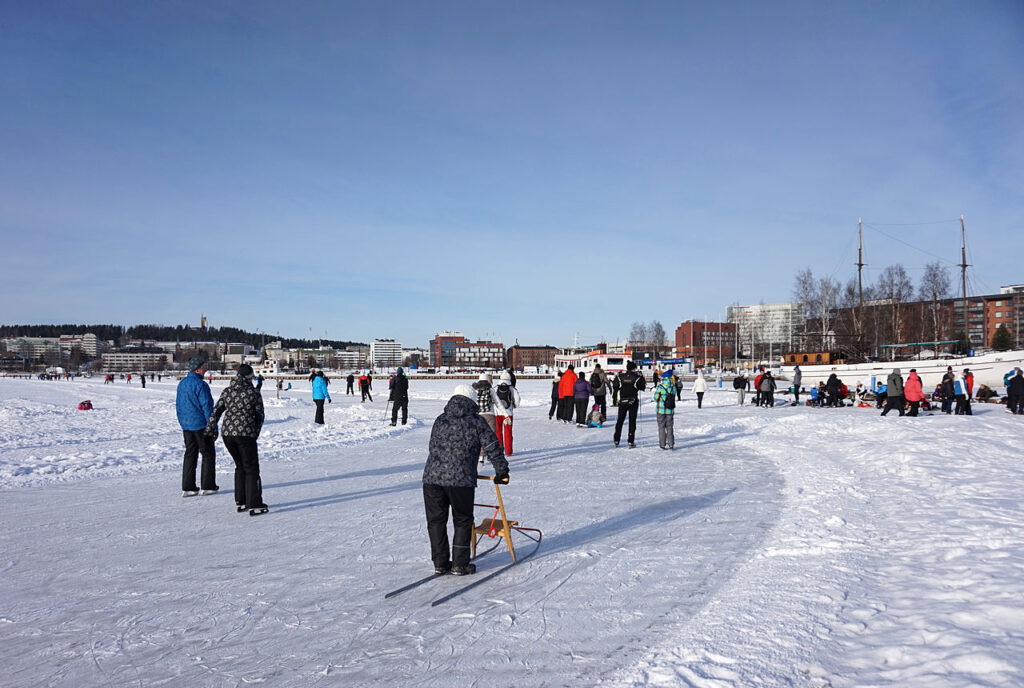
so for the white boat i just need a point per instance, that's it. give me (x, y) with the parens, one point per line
(988, 369)
(616, 363)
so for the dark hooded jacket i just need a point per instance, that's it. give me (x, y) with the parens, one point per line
(242, 408)
(833, 385)
(455, 443)
(1016, 385)
(895, 383)
(399, 388)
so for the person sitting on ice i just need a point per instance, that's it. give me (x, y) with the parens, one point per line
(814, 395)
(858, 394)
(881, 394)
(596, 420)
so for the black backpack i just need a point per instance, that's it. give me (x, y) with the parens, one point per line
(505, 395)
(670, 401)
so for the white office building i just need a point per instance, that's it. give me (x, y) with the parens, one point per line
(767, 323)
(385, 353)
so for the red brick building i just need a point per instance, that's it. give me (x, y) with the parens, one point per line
(518, 357)
(705, 342)
(442, 348)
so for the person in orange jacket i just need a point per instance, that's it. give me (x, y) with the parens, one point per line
(566, 403)
(913, 392)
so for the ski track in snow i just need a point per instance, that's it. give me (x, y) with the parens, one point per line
(786, 546)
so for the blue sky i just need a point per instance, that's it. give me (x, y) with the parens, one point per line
(512, 170)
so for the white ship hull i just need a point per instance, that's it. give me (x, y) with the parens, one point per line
(988, 369)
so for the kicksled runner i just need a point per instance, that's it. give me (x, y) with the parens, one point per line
(497, 527)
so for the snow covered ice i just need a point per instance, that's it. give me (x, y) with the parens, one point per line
(773, 547)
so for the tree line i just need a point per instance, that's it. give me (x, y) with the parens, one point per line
(164, 333)
(896, 310)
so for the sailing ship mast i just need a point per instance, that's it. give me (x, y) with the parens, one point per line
(963, 282)
(860, 282)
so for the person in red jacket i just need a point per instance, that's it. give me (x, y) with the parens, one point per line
(566, 403)
(969, 378)
(912, 392)
(757, 388)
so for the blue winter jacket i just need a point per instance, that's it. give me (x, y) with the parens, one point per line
(194, 403)
(320, 388)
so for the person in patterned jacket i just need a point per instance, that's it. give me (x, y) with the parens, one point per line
(665, 398)
(241, 405)
(449, 478)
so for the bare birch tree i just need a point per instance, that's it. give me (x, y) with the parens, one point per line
(638, 334)
(896, 288)
(657, 334)
(935, 286)
(826, 297)
(804, 288)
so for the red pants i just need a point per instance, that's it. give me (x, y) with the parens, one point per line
(503, 430)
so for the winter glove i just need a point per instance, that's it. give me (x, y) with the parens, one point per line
(212, 431)
(328, 400)
(501, 478)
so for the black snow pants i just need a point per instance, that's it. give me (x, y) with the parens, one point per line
(581, 410)
(437, 500)
(893, 402)
(602, 401)
(404, 405)
(565, 407)
(626, 407)
(196, 441)
(248, 487)
(319, 417)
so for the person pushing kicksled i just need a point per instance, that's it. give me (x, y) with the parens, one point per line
(449, 478)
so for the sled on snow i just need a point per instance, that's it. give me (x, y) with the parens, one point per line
(499, 525)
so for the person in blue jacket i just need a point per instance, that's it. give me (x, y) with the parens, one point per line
(319, 394)
(194, 405)
(881, 394)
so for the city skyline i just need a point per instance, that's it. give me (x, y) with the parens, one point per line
(525, 173)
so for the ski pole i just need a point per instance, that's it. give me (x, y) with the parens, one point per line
(639, 408)
(386, 411)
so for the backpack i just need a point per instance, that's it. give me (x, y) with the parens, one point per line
(505, 395)
(670, 401)
(595, 380)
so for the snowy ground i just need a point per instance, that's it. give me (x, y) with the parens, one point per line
(773, 547)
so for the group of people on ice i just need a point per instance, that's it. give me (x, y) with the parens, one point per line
(240, 406)
(571, 393)
(398, 387)
(764, 388)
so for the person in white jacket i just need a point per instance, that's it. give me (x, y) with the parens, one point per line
(505, 399)
(700, 385)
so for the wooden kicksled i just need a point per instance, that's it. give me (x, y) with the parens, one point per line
(498, 525)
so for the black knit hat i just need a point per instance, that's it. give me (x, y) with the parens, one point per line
(244, 370)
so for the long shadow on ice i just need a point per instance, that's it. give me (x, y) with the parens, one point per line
(385, 470)
(661, 512)
(328, 500)
(539, 455)
(711, 439)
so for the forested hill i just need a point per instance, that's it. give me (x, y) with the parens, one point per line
(164, 333)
